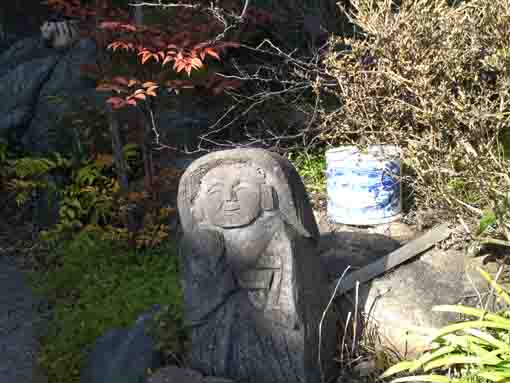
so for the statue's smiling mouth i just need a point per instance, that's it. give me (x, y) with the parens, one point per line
(231, 208)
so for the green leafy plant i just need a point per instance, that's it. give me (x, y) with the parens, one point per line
(477, 350)
(312, 168)
(488, 219)
(90, 198)
(25, 174)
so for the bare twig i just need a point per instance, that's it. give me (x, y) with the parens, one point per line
(324, 316)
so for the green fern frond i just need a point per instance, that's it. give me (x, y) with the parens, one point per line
(32, 167)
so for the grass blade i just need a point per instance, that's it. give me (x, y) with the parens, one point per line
(468, 325)
(493, 357)
(468, 342)
(502, 293)
(424, 378)
(451, 360)
(472, 312)
(494, 375)
(432, 355)
(399, 367)
(486, 337)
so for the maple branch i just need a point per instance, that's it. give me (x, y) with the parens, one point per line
(288, 81)
(153, 123)
(183, 5)
(167, 5)
(243, 13)
(289, 78)
(216, 12)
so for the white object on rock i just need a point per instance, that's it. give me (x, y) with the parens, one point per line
(364, 188)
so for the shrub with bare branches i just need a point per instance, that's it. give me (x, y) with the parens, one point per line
(434, 78)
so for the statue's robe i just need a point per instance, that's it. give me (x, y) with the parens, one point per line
(244, 302)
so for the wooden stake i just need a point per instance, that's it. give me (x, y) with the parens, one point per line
(395, 258)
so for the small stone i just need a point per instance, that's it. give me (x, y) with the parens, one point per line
(365, 368)
(174, 374)
(396, 230)
(211, 379)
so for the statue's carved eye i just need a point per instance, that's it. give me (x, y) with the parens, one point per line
(214, 189)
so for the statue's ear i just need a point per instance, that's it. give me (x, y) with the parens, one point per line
(269, 200)
(197, 212)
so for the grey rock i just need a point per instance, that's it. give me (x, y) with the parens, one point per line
(399, 303)
(122, 356)
(254, 286)
(19, 89)
(341, 249)
(174, 374)
(20, 52)
(211, 379)
(23, 319)
(57, 98)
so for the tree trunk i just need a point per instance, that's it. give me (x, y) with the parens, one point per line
(147, 159)
(121, 167)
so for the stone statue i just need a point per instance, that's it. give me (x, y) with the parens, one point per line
(254, 290)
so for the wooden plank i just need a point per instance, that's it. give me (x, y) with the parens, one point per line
(393, 259)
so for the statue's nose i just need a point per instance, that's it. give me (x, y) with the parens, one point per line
(230, 194)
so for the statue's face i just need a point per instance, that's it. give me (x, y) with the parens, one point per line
(231, 196)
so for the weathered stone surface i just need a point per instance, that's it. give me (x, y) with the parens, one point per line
(341, 249)
(23, 319)
(254, 286)
(399, 303)
(396, 230)
(212, 379)
(19, 89)
(174, 374)
(20, 52)
(123, 356)
(58, 97)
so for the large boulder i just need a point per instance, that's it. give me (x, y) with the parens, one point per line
(398, 304)
(123, 355)
(58, 97)
(20, 88)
